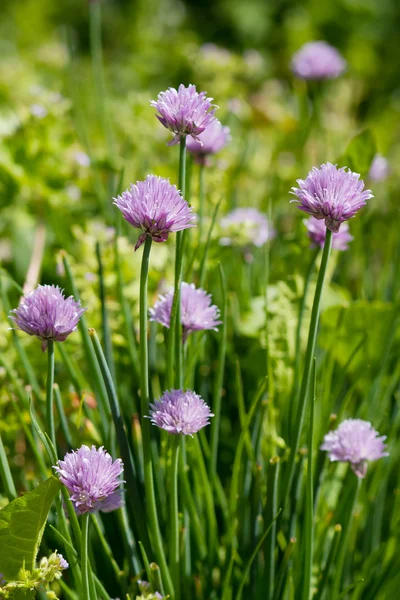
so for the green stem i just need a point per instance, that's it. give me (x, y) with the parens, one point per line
(175, 327)
(49, 393)
(344, 539)
(305, 384)
(271, 509)
(144, 400)
(174, 516)
(201, 201)
(5, 474)
(85, 557)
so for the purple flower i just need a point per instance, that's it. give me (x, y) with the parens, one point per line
(379, 169)
(316, 231)
(156, 207)
(91, 477)
(246, 227)
(332, 194)
(318, 60)
(184, 111)
(197, 311)
(355, 441)
(47, 314)
(180, 412)
(211, 141)
(62, 562)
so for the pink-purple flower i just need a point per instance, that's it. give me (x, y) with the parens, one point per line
(246, 227)
(184, 111)
(47, 314)
(357, 442)
(92, 478)
(318, 60)
(332, 194)
(316, 231)
(379, 169)
(156, 207)
(180, 412)
(62, 562)
(210, 141)
(197, 311)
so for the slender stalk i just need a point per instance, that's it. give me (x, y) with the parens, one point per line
(49, 393)
(5, 474)
(305, 384)
(201, 201)
(107, 340)
(174, 516)
(309, 508)
(175, 328)
(85, 557)
(63, 419)
(343, 547)
(144, 400)
(271, 509)
(329, 561)
(106, 548)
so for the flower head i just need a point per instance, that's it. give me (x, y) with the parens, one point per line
(355, 441)
(91, 477)
(63, 564)
(318, 60)
(379, 169)
(211, 141)
(47, 314)
(332, 194)
(184, 111)
(197, 311)
(316, 231)
(156, 207)
(246, 227)
(180, 412)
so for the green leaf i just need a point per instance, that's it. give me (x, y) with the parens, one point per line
(360, 152)
(22, 524)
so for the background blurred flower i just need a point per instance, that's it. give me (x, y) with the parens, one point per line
(210, 141)
(318, 60)
(355, 441)
(180, 412)
(47, 314)
(156, 207)
(91, 477)
(246, 226)
(197, 311)
(332, 194)
(184, 111)
(379, 169)
(316, 231)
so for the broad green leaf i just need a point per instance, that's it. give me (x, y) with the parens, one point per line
(359, 154)
(22, 524)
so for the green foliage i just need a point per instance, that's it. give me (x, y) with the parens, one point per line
(22, 523)
(359, 153)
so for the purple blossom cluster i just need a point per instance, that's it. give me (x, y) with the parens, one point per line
(332, 194)
(184, 111)
(47, 314)
(246, 227)
(156, 207)
(355, 441)
(316, 231)
(180, 412)
(318, 60)
(197, 311)
(91, 477)
(211, 141)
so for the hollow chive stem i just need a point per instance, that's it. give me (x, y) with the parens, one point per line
(144, 400)
(85, 557)
(174, 516)
(201, 201)
(49, 393)
(305, 384)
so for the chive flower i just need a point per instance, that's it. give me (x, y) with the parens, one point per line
(197, 311)
(316, 231)
(355, 441)
(379, 169)
(156, 207)
(318, 60)
(213, 139)
(91, 477)
(47, 314)
(332, 194)
(184, 111)
(180, 412)
(246, 227)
